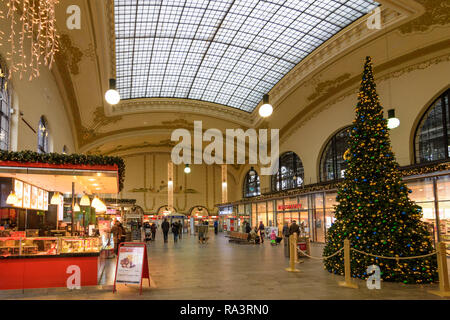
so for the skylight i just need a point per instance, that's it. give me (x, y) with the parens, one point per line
(222, 51)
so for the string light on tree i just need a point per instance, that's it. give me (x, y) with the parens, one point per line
(374, 211)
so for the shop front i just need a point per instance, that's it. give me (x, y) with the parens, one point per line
(43, 242)
(313, 207)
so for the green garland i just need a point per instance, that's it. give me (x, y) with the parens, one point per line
(58, 158)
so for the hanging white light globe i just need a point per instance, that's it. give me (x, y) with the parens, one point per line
(85, 201)
(56, 199)
(12, 199)
(112, 96)
(76, 208)
(96, 202)
(393, 122)
(266, 109)
(187, 169)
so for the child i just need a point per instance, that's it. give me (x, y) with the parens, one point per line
(273, 238)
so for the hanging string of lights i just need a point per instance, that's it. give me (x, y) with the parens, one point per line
(38, 24)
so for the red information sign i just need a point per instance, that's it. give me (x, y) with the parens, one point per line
(132, 264)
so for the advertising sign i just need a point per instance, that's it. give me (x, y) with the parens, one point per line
(18, 189)
(132, 264)
(34, 197)
(40, 199)
(129, 269)
(45, 200)
(26, 196)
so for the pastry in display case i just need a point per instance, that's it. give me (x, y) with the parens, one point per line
(28, 246)
(77, 245)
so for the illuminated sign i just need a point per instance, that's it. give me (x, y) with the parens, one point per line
(18, 189)
(290, 206)
(40, 199)
(34, 197)
(26, 196)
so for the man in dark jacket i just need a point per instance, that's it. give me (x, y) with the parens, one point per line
(261, 231)
(175, 230)
(153, 230)
(247, 227)
(294, 228)
(165, 228)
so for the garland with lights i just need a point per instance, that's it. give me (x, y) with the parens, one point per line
(374, 210)
(62, 159)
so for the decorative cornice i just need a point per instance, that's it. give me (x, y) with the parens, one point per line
(183, 105)
(437, 13)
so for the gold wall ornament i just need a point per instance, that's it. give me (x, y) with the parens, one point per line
(38, 24)
(437, 13)
(71, 54)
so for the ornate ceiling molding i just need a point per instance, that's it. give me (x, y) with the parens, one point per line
(185, 106)
(437, 13)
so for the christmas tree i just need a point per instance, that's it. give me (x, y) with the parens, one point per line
(374, 211)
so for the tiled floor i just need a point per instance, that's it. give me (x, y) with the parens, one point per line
(222, 270)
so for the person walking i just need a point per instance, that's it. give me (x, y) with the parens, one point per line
(294, 228)
(165, 229)
(248, 228)
(180, 229)
(153, 228)
(117, 235)
(175, 230)
(216, 227)
(261, 231)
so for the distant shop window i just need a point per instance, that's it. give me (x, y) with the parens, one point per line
(5, 109)
(332, 163)
(251, 184)
(43, 136)
(290, 172)
(431, 141)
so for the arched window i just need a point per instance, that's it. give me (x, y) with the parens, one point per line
(332, 163)
(5, 108)
(43, 136)
(251, 184)
(290, 172)
(431, 141)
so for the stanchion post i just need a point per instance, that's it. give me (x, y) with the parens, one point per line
(295, 246)
(293, 249)
(444, 288)
(347, 269)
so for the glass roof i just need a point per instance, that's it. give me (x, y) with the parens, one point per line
(230, 52)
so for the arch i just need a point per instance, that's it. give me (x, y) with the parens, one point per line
(331, 162)
(160, 209)
(290, 173)
(251, 186)
(431, 135)
(43, 136)
(191, 210)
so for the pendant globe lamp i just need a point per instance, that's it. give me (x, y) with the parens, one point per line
(96, 202)
(56, 198)
(112, 96)
(12, 199)
(266, 109)
(85, 201)
(76, 208)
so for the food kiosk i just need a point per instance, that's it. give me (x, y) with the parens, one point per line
(39, 249)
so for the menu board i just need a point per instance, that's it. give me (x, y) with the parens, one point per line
(45, 200)
(40, 199)
(34, 197)
(129, 266)
(26, 196)
(18, 189)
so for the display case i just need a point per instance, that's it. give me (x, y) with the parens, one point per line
(79, 245)
(28, 246)
(33, 246)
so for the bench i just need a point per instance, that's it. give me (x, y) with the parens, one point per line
(238, 237)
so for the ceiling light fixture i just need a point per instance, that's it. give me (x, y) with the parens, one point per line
(56, 199)
(12, 199)
(85, 201)
(187, 169)
(393, 122)
(266, 109)
(112, 96)
(252, 172)
(76, 208)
